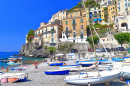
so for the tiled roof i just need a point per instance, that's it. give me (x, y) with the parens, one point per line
(31, 37)
(39, 35)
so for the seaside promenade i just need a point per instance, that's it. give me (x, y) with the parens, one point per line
(37, 77)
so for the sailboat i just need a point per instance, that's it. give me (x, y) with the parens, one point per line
(93, 77)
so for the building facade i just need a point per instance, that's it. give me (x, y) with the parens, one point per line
(74, 27)
(48, 34)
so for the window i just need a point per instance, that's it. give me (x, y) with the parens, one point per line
(63, 36)
(95, 8)
(46, 29)
(73, 40)
(52, 34)
(74, 33)
(63, 32)
(81, 26)
(63, 17)
(112, 39)
(90, 9)
(52, 28)
(103, 40)
(42, 30)
(102, 15)
(73, 21)
(66, 22)
(73, 27)
(113, 8)
(107, 40)
(52, 40)
(46, 35)
(81, 20)
(63, 12)
(98, 7)
(66, 28)
(70, 15)
(76, 13)
(74, 36)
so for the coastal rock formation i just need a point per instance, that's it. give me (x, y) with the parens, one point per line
(29, 49)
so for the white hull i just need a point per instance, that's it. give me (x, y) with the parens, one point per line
(92, 78)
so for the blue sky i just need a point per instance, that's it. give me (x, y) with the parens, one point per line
(17, 17)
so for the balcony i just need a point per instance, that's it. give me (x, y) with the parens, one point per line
(70, 31)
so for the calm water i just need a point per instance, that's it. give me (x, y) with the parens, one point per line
(8, 54)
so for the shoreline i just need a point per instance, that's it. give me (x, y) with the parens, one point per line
(37, 77)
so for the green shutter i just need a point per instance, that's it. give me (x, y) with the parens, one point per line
(81, 20)
(66, 22)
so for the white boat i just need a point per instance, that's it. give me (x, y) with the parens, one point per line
(92, 77)
(68, 67)
(13, 63)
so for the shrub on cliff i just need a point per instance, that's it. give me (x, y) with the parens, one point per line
(30, 33)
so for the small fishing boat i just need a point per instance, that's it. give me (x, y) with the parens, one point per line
(67, 67)
(13, 77)
(55, 63)
(57, 72)
(92, 78)
(13, 63)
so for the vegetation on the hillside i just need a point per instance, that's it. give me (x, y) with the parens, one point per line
(95, 39)
(30, 33)
(66, 47)
(99, 26)
(52, 50)
(122, 38)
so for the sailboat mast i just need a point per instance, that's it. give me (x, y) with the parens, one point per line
(91, 35)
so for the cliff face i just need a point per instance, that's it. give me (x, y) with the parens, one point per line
(30, 49)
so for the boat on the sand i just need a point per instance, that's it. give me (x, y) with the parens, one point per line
(57, 72)
(55, 63)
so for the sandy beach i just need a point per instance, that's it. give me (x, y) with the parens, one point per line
(37, 77)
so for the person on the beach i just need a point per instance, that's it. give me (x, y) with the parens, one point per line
(64, 64)
(7, 69)
(2, 67)
(36, 64)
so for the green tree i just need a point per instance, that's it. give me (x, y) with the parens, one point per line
(121, 38)
(52, 50)
(95, 38)
(30, 33)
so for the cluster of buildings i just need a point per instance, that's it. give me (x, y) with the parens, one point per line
(72, 26)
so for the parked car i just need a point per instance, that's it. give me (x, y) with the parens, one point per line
(107, 49)
(121, 48)
(99, 50)
(114, 49)
(90, 50)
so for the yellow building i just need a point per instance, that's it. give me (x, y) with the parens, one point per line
(74, 27)
(112, 11)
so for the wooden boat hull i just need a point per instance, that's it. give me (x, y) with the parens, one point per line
(57, 72)
(84, 79)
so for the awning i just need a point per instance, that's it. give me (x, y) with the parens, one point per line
(95, 19)
(59, 54)
(90, 15)
(71, 54)
(99, 19)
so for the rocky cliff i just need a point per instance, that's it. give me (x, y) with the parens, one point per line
(30, 49)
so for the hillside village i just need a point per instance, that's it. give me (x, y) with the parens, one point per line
(69, 29)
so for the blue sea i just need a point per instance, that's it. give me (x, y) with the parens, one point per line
(10, 54)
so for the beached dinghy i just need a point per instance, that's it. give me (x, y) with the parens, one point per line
(55, 63)
(92, 78)
(13, 77)
(87, 64)
(67, 67)
(57, 72)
